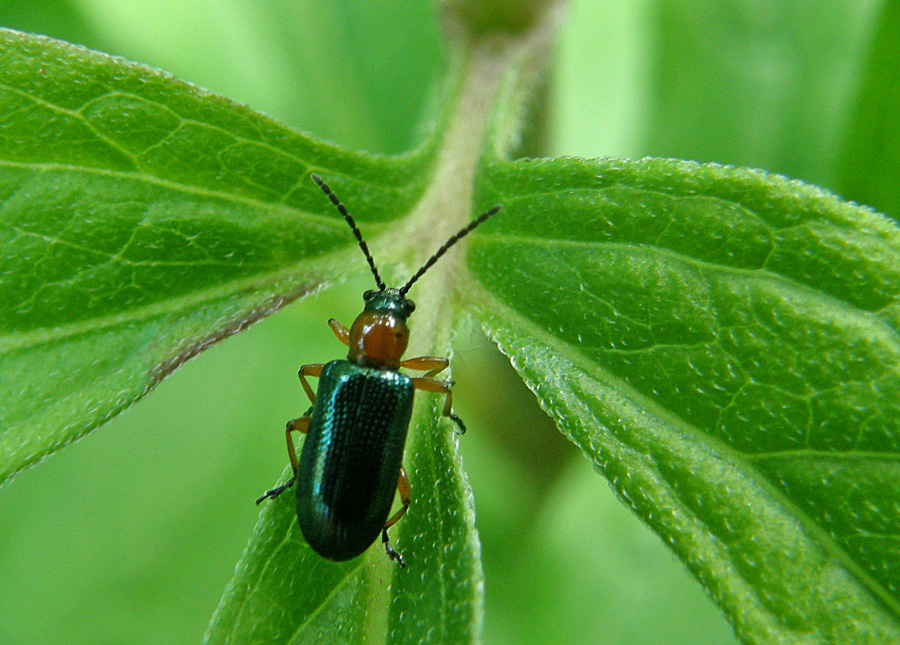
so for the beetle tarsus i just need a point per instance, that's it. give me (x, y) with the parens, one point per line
(391, 553)
(278, 490)
(461, 427)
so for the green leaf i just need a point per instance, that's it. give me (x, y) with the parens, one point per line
(723, 345)
(142, 220)
(283, 592)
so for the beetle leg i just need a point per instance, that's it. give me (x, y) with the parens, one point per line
(403, 489)
(391, 553)
(278, 490)
(295, 425)
(300, 425)
(314, 370)
(432, 385)
(431, 365)
(342, 333)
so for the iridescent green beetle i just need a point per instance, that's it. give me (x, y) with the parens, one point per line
(351, 461)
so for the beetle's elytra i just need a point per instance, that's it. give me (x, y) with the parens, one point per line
(351, 461)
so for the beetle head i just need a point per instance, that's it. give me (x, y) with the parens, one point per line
(388, 301)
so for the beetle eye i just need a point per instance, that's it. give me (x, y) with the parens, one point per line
(367, 294)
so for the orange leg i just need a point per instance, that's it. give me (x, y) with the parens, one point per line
(433, 385)
(342, 333)
(314, 370)
(403, 489)
(300, 425)
(431, 365)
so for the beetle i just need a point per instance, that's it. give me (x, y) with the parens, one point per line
(351, 461)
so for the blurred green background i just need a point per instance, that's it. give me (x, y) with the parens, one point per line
(130, 535)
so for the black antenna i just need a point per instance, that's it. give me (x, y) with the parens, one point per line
(343, 211)
(465, 230)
